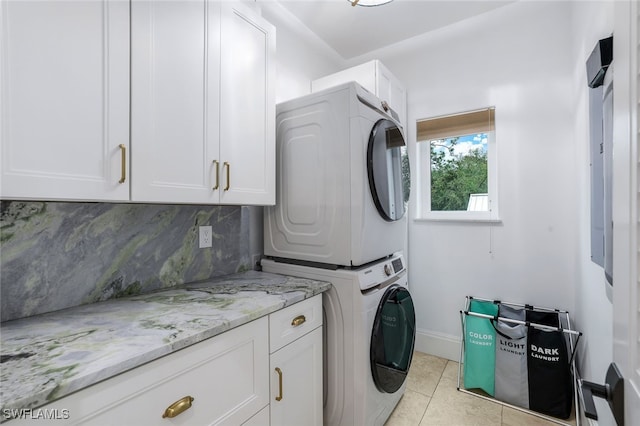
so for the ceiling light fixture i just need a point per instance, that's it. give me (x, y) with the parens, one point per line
(368, 3)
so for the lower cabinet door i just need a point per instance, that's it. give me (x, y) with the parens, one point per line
(221, 380)
(260, 419)
(296, 382)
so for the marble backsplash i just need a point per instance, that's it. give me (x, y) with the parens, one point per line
(55, 255)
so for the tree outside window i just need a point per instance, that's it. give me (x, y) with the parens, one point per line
(458, 171)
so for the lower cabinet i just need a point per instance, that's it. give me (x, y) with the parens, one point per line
(268, 371)
(260, 419)
(222, 380)
(296, 382)
(296, 364)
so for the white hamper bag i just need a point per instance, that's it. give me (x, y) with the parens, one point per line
(511, 375)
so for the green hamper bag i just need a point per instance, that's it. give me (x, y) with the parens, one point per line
(480, 348)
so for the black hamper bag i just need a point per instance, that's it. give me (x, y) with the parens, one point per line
(550, 385)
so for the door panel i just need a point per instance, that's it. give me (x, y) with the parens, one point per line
(392, 339)
(626, 196)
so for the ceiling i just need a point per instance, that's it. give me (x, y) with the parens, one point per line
(353, 31)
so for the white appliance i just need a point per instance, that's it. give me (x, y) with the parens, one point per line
(369, 326)
(342, 181)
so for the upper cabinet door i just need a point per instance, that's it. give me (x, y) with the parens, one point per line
(175, 78)
(247, 111)
(203, 103)
(391, 90)
(64, 100)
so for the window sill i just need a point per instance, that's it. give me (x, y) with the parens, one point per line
(459, 219)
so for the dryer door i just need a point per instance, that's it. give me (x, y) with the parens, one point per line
(392, 339)
(388, 170)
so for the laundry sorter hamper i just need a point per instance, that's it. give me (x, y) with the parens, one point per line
(521, 356)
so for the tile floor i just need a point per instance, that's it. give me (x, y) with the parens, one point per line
(432, 398)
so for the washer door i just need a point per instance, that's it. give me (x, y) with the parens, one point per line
(388, 170)
(392, 339)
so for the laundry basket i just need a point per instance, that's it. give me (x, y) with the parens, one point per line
(519, 355)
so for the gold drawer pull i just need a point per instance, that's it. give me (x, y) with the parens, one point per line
(178, 407)
(299, 320)
(279, 397)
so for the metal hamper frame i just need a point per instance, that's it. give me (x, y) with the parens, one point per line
(574, 338)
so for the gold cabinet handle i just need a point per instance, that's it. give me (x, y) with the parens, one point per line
(228, 166)
(299, 320)
(217, 164)
(279, 397)
(178, 407)
(123, 173)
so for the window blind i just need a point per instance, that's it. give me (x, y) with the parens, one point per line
(466, 123)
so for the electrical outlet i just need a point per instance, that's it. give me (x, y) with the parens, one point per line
(206, 236)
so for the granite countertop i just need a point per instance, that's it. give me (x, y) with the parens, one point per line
(48, 356)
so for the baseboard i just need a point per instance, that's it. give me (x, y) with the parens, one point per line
(437, 344)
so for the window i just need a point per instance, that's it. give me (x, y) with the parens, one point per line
(456, 166)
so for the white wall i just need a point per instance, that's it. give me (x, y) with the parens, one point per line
(592, 21)
(593, 310)
(301, 56)
(518, 59)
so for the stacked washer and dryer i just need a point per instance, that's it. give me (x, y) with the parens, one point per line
(342, 189)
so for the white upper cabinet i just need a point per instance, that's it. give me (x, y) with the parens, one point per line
(389, 88)
(203, 103)
(247, 111)
(200, 83)
(374, 77)
(64, 100)
(175, 78)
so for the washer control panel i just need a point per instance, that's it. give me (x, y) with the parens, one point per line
(379, 272)
(387, 270)
(397, 264)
